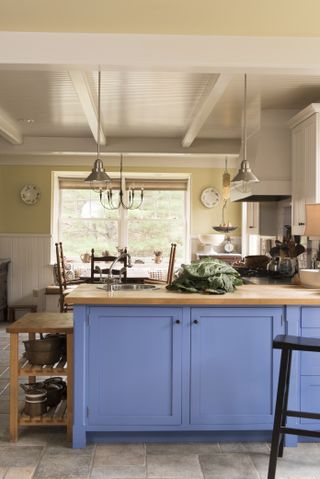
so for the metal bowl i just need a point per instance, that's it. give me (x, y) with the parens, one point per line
(42, 345)
(44, 357)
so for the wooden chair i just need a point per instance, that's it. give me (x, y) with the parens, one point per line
(106, 270)
(170, 272)
(65, 286)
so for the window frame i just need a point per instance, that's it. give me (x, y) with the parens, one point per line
(123, 216)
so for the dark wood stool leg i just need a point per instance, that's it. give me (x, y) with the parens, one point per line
(278, 414)
(285, 403)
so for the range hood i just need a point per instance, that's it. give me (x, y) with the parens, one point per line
(269, 154)
(263, 198)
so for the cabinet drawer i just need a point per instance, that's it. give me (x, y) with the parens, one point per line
(310, 397)
(310, 317)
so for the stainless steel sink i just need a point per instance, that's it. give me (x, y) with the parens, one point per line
(128, 287)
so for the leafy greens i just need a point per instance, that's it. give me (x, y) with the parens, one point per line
(207, 275)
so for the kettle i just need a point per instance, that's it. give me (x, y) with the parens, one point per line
(85, 257)
(273, 265)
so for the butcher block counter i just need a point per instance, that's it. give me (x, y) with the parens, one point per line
(243, 295)
(164, 366)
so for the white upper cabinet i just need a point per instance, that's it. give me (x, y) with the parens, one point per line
(305, 163)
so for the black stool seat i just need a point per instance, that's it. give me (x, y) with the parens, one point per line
(296, 343)
(287, 344)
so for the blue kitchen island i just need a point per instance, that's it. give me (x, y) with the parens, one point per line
(156, 365)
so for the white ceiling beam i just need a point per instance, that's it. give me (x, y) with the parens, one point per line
(214, 92)
(195, 53)
(88, 103)
(117, 145)
(9, 128)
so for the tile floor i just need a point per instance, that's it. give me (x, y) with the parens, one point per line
(44, 454)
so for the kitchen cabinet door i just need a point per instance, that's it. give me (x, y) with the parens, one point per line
(234, 370)
(134, 359)
(305, 169)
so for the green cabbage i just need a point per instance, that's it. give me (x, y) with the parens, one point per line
(207, 275)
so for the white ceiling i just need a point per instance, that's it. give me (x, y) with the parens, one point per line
(139, 105)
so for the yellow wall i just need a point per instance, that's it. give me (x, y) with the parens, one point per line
(16, 217)
(201, 17)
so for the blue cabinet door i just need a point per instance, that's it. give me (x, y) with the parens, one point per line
(234, 370)
(134, 366)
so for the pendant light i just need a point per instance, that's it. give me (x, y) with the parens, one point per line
(98, 177)
(244, 178)
(225, 225)
(131, 204)
(100, 180)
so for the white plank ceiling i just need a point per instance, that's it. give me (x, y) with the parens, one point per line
(185, 107)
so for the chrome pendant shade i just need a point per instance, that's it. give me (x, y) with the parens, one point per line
(98, 174)
(100, 180)
(245, 174)
(245, 177)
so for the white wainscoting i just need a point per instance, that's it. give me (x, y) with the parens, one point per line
(30, 270)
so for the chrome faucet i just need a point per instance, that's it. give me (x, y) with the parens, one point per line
(124, 254)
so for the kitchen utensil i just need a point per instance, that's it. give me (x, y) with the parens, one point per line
(256, 261)
(60, 381)
(62, 338)
(43, 345)
(275, 251)
(85, 257)
(299, 249)
(54, 393)
(286, 267)
(35, 402)
(44, 357)
(273, 265)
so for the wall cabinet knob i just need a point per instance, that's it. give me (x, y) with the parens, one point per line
(301, 224)
(178, 321)
(195, 321)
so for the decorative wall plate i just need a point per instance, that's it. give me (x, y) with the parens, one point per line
(210, 197)
(30, 194)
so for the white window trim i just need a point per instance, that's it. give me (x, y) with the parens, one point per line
(55, 205)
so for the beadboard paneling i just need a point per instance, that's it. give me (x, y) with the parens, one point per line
(30, 268)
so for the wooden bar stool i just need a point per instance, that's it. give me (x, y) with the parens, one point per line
(287, 344)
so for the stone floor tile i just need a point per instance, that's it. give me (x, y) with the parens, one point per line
(19, 455)
(3, 471)
(118, 472)
(65, 448)
(252, 447)
(296, 463)
(183, 448)
(20, 472)
(3, 370)
(173, 466)
(231, 466)
(119, 455)
(63, 466)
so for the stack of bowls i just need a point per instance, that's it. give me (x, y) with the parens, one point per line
(40, 395)
(35, 399)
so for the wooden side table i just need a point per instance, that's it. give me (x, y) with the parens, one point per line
(33, 323)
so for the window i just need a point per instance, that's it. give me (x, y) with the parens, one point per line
(81, 222)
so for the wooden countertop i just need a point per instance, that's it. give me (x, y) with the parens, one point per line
(43, 323)
(244, 295)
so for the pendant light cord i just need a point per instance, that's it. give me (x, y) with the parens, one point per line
(99, 114)
(244, 131)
